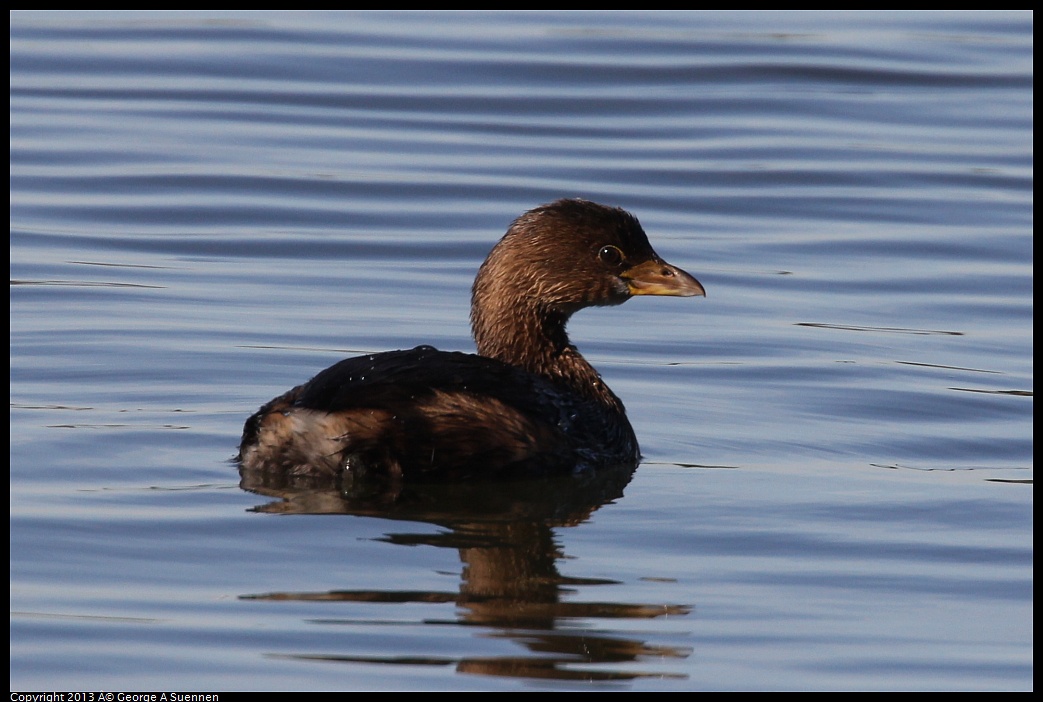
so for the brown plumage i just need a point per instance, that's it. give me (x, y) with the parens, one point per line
(527, 403)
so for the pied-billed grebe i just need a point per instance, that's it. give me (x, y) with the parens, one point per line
(527, 403)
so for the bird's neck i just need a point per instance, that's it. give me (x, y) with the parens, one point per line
(519, 333)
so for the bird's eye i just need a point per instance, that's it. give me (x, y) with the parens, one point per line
(610, 255)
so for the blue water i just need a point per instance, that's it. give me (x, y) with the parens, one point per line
(208, 208)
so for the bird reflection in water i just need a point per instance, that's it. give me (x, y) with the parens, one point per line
(510, 587)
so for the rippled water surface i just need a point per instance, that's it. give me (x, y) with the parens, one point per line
(207, 209)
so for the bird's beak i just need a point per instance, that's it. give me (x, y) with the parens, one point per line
(657, 277)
